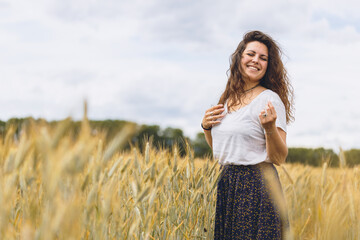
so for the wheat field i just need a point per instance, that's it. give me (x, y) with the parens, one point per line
(55, 186)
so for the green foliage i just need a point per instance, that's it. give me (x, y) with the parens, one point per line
(109, 127)
(352, 157)
(313, 156)
(2, 127)
(201, 148)
(161, 139)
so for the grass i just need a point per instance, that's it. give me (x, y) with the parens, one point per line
(54, 186)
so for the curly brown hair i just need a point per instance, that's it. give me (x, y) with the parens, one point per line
(275, 78)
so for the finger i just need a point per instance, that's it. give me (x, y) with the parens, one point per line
(213, 118)
(212, 122)
(210, 119)
(216, 107)
(215, 112)
(262, 119)
(219, 117)
(272, 111)
(267, 108)
(209, 114)
(272, 108)
(215, 123)
(263, 113)
(218, 111)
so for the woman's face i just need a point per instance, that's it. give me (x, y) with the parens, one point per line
(254, 60)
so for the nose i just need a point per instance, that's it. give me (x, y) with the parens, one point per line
(255, 59)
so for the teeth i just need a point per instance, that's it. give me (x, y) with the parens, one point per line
(253, 68)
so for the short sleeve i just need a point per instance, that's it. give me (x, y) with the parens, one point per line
(280, 113)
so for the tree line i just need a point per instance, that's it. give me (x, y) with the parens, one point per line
(169, 137)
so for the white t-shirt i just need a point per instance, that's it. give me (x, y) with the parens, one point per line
(240, 139)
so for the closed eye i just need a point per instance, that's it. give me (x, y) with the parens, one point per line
(252, 54)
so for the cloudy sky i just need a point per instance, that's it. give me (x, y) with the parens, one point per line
(165, 62)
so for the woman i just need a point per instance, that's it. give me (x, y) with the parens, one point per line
(247, 133)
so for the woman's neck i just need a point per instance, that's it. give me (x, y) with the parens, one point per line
(250, 87)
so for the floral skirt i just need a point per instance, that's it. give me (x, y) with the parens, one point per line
(250, 203)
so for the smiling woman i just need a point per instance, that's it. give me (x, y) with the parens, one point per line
(247, 133)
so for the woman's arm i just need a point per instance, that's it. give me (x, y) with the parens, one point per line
(212, 116)
(276, 145)
(275, 137)
(208, 137)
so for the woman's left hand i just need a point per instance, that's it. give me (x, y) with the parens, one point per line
(268, 117)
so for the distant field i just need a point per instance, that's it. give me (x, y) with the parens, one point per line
(55, 187)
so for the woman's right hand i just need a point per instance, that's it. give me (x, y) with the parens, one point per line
(213, 116)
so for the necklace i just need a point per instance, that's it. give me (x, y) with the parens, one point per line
(251, 89)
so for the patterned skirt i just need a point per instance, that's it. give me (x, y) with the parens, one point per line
(250, 203)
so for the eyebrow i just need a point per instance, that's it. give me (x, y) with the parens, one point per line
(255, 52)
